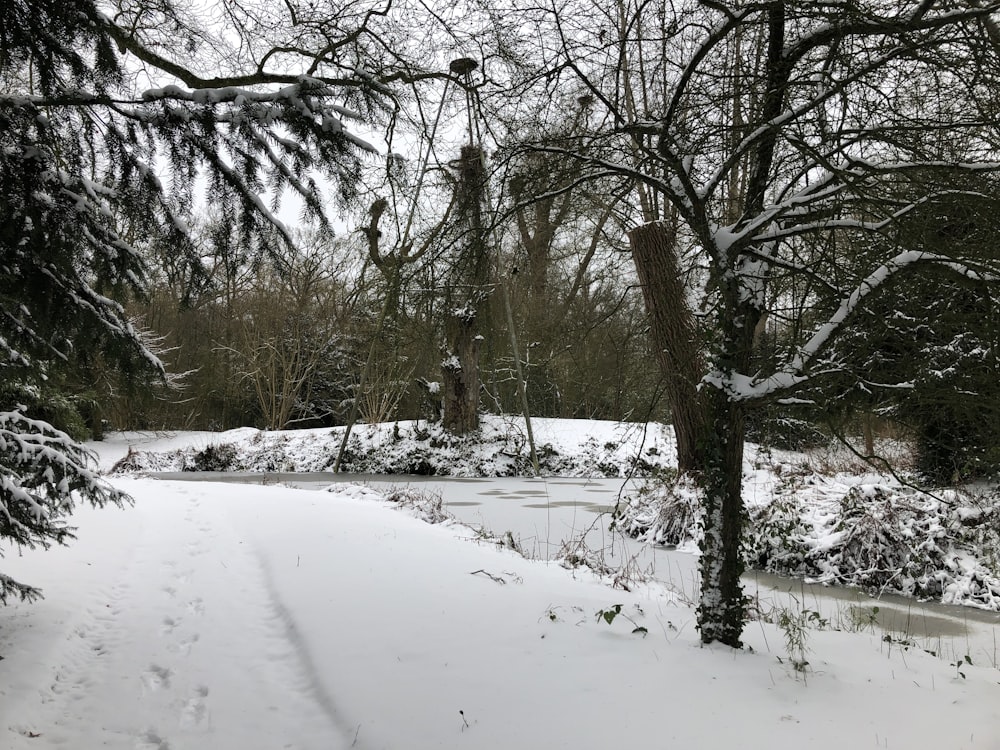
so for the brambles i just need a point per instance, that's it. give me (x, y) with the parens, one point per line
(839, 530)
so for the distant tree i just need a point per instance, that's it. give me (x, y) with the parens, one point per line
(293, 339)
(93, 103)
(953, 353)
(573, 290)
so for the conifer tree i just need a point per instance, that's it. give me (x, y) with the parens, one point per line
(106, 139)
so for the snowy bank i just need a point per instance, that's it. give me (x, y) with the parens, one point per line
(565, 447)
(823, 517)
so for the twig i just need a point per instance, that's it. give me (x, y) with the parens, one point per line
(492, 577)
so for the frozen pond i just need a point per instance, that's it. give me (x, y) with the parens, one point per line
(544, 513)
(541, 513)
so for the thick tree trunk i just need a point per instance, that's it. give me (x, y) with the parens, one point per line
(709, 424)
(460, 366)
(674, 336)
(460, 375)
(722, 607)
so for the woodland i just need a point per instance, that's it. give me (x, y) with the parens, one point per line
(766, 221)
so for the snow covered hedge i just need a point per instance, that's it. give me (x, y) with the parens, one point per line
(881, 536)
(499, 449)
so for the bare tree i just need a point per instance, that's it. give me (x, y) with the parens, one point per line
(292, 330)
(773, 145)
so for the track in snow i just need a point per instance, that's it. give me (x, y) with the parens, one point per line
(223, 667)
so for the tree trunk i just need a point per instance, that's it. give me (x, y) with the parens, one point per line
(709, 425)
(868, 430)
(674, 336)
(722, 608)
(460, 375)
(460, 379)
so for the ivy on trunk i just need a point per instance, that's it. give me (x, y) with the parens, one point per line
(467, 320)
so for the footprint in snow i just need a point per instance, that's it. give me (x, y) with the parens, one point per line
(75, 689)
(195, 710)
(156, 678)
(150, 740)
(183, 647)
(169, 625)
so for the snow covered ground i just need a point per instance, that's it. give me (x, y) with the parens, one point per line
(239, 617)
(824, 516)
(499, 449)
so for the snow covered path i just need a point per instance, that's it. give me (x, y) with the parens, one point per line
(235, 617)
(181, 643)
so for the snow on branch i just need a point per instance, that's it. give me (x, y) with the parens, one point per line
(789, 210)
(128, 41)
(43, 472)
(10, 588)
(741, 387)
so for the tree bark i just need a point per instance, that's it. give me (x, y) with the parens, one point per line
(674, 336)
(460, 381)
(722, 606)
(460, 375)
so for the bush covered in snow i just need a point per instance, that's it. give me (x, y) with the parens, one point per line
(664, 511)
(881, 536)
(498, 449)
